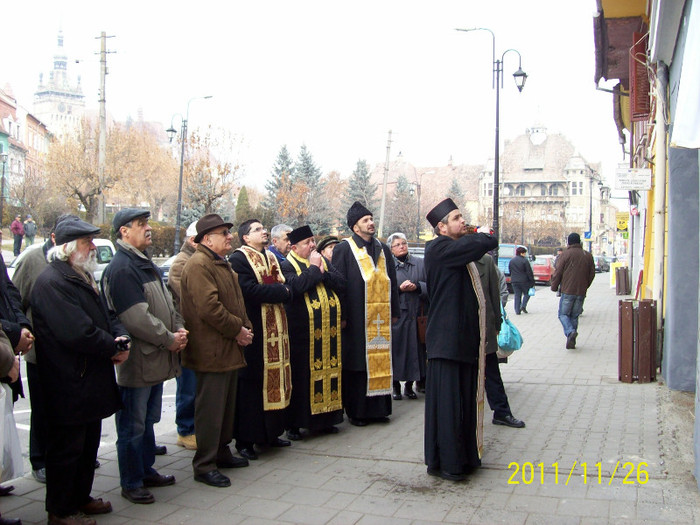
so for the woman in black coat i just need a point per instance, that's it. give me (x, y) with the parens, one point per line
(521, 279)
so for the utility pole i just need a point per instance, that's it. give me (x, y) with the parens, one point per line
(386, 176)
(102, 141)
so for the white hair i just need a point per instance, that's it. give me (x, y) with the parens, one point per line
(62, 252)
(278, 231)
(397, 235)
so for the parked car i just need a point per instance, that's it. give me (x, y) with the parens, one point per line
(165, 267)
(601, 264)
(105, 252)
(543, 268)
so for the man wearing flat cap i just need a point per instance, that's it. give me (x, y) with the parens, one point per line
(75, 332)
(314, 336)
(265, 385)
(370, 306)
(133, 288)
(455, 343)
(28, 269)
(219, 328)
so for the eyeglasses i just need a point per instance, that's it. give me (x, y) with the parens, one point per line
(225, 233)
(259, 229)
(402, 243)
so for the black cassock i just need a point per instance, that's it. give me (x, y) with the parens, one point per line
(299, 411)
(355, 400)
(452, 344)
(252, 423)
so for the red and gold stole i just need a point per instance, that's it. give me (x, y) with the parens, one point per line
(277, 372)
(377, 319)
(323, 308)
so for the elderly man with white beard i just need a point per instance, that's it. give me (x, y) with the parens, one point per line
(75, 333)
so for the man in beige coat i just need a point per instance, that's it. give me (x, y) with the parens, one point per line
(212, 304)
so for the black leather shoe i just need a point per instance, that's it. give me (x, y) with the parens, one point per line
(446, 475)
(234, 462)
(523, 310)
(158, 480)
(358, 422)
(396, 396)
(248, 453)
(97, 464)
(508, 421)
(140, 495)
(4, 491)
(330, 430)
(294, 434)
(10, 521)
(213, 478)
(161, 450)
(278, 443)
(571, 341)
(409, 393)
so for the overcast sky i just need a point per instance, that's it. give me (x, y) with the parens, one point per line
(336, 76)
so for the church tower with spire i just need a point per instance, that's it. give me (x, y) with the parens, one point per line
(58, 103)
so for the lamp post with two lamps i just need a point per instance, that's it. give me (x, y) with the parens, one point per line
(171, 131)
(520, 77)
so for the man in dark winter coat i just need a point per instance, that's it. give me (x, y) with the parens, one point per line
(521, 279)
(575, 272)
(133, 288)
(78, 344)
(316, 402)
(370, 307)
(26, 273)
(456, 345)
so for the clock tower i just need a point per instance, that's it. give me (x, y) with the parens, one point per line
(57, 103)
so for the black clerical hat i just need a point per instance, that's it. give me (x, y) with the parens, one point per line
(356, 212)
(440, 211)
(301, 233)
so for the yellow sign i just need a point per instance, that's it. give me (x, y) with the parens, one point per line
(622, 218)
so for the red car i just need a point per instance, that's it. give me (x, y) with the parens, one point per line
(543, 268)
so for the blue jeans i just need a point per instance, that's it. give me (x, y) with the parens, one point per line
(570, 307)
(136, 440)
(184, 402)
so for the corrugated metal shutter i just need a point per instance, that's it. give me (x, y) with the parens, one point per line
(639, 78)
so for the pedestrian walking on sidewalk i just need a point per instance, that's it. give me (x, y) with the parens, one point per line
(17, 229)
(575, 272)
(521, 278)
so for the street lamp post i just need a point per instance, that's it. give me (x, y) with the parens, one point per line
(520, 77)
(171, 131)
(3, 159)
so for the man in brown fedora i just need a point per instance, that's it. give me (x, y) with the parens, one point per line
(214, 311)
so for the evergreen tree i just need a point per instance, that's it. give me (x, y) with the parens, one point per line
(456, 193)
(281, 176)
(360, 188)
(308, 175)
(403, 209)
(243, 209)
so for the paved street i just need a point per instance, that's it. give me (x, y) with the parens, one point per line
(636, 470)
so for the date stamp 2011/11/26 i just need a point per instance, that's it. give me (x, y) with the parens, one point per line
(528, 473)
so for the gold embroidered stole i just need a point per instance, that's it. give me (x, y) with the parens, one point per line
(277, 373)
(323, 308)
(481, 298)
(377, 313)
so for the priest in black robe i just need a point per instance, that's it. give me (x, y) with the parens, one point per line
(455, 344)
(360, 258)
(264, 386)
(313, 318)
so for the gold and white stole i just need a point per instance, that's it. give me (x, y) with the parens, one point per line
(323, 309)
(377, 319)
(481, 298)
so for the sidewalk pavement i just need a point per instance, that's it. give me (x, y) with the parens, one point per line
(576, 410)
